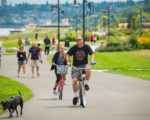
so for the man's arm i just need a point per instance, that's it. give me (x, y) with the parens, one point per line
(92, 58)
(40, 54)
(68, 60)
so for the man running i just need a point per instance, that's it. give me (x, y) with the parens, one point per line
(80, 53)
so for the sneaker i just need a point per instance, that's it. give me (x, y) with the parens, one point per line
(75, 100)
(54, 92)
(65, 82)
(87, 87)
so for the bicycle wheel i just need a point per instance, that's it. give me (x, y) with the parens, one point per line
(61, 89)
(82, 94)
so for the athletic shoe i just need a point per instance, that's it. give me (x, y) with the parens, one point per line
(75, 100)
(54, 92)
(87, 87)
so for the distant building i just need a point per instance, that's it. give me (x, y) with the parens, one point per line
(31, 25)
(3, 3)
(65, 21)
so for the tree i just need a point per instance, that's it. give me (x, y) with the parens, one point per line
(130, 2)
(147, 2)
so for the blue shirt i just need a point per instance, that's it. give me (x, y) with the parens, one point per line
(34, 53)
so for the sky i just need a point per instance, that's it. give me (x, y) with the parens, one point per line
(52, 1)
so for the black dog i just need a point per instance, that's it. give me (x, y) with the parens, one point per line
(12, 103)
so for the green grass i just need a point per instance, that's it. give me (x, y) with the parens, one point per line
(122, 62)
(9, 88)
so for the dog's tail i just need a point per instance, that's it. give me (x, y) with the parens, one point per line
(20, 93)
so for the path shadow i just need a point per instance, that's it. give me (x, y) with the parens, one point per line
(70, 106)
(49, 99)
(6, 117)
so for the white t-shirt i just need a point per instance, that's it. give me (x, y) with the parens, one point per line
(95, 38)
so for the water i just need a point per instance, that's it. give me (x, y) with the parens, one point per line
(5, 31)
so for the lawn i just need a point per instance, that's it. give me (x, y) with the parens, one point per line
(125, 63)
(132, 63)
(9, 88)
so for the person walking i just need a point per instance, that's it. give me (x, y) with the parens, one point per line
(41, 49)
(19, 42)
(80, 53)
(92, 38)
(34, 52)
(95, 39)
(36, 36)
(47, 43)
(22, 60)
(26, 43)
(53, 45)
(0, 53)
(59, 59)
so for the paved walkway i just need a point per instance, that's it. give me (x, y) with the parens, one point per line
(111, 97)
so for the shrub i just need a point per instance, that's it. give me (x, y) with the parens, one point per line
(69, 37)
(145, 42)
(133, 41)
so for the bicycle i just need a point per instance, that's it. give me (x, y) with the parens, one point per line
(62, 70)
(81, 85)
(81, 88)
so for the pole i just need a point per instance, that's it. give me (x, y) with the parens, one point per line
(141, 14)
(83, 21)
(108, 21)
(95, 23)
(58, 26)
(76, 25)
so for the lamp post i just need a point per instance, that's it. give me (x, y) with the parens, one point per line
(141, 22)
(108, 12)
(76, 17)
(52, 10)
(75, 4)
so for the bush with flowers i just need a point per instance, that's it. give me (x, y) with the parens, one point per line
(145, 42)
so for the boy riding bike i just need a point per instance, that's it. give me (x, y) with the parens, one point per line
(80, 54)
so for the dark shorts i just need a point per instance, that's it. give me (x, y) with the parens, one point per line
(75, 73)
(21, 62)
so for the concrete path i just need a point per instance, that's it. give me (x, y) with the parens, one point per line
(111, 97)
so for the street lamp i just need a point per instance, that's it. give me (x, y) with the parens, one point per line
(141, 14)
(75, 2)
(108, 12)
(52, 10)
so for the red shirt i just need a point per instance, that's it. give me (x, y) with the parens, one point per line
(92, 37)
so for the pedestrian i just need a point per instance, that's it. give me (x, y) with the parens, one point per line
(47, 44)
(36, 36)
(0, 53)
(22, 60)
(53, 45)
(95, 39)
(27, 43)
(34, 53)
(19, 42)
(41, 49)
(92, 38)
(59, 59)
